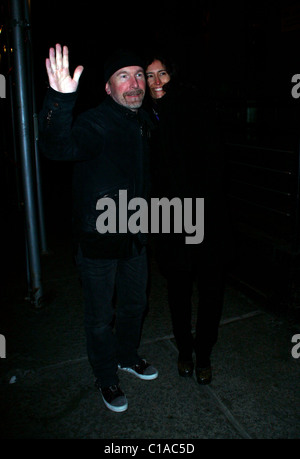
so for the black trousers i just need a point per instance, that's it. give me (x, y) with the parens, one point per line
(209, 276)
(101, 279)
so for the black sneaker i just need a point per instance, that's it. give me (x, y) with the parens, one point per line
(143, 370)
(114, 398)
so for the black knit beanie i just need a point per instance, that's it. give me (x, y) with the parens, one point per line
(120, 59)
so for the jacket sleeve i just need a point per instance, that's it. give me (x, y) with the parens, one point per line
(60, 137)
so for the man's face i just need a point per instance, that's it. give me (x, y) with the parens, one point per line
(127, 87)
(157, 76)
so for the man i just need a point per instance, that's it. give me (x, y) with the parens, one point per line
(109, 148)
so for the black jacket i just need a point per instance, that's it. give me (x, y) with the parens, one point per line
(187, 161)
(108, 145)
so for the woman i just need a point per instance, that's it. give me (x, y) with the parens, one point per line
(186, 162)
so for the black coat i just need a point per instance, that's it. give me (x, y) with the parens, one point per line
(187, 161)
(108, 146)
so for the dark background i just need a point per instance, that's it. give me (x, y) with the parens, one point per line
(241, 48)
(243, 53)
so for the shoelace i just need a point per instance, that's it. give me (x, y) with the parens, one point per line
(142, 366)
(114, 388)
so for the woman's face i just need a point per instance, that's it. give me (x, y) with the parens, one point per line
(157, 76)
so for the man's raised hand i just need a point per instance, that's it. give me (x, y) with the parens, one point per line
(57, 66)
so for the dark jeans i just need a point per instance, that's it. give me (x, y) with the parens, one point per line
(101, 280)
(210, 281)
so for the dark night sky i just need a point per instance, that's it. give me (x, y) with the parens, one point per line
(239, 49)
(92, 31)
(242, 42)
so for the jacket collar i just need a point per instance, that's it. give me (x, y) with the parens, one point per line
(121, 109)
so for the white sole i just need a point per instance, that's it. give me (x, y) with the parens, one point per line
(115, 409)
(144, 377)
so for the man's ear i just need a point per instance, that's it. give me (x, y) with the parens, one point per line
(107, 88)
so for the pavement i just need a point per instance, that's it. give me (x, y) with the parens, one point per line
(47, 387)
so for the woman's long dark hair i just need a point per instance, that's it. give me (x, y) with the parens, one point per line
(169, 64)
(167, 61)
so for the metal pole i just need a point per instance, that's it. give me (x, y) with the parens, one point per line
(17, 174)
(24, 126)
(40, 204)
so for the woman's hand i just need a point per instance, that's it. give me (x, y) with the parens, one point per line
(57, 66)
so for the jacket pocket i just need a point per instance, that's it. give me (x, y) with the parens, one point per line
(109, 210)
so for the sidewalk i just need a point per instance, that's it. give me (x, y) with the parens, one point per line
(47, 389)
